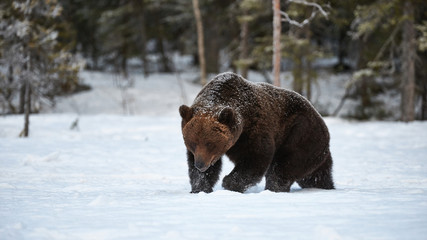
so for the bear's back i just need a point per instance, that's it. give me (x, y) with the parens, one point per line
(231, 90)
(288, 101)
(226, 89)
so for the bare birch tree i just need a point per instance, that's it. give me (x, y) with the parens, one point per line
(200, 41)
(277, 13)
(276, 42)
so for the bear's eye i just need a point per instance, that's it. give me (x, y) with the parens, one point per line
(209, 145)
(191, 146)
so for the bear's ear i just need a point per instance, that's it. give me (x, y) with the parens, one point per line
(227, 117)
(186, 112)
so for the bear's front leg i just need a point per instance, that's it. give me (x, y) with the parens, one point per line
(240, 182)
(245, 175)
(250, 165)
(202, 181)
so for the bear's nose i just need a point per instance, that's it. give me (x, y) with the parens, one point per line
(201, 166)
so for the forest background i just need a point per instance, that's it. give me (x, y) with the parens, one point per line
(380, 44)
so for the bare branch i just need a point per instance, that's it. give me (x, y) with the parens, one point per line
(317, 7)
(296, 23)
(388, 41)
(312, 4)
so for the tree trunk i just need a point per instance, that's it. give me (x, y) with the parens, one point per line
(21, 100)
(408, 62)
(212, 40)
(142, 34)
(123, 63)
(10, 74)
(244, 35)
(9, 91)
(276, 42)
(424, 103)
(309, 73)
(200, 41)
(341, 66)
(365, 96)
(297, 73)
(27, 109)
(164, 58)
(94, 52)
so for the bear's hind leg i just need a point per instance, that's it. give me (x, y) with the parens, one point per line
(320, 178)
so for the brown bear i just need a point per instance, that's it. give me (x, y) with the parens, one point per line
(264, 130)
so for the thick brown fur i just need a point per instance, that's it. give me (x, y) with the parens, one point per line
(264, 130)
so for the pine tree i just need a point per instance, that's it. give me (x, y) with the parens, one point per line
(248, 11)
(299, 47)
(389, 18)
(121, 33)
(200, 41)
(38, 68)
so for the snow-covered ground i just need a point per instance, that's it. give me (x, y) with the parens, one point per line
(125, 177)
(158, 94)
(162, 94)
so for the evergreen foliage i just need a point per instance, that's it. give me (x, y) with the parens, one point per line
(387, 52)
(35, 65)
(31, 53)
(39, 40)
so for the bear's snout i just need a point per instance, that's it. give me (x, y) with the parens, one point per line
(201, 166)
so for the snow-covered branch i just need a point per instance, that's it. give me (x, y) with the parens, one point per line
(317, 8)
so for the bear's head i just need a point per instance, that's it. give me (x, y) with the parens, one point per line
(208, 136)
